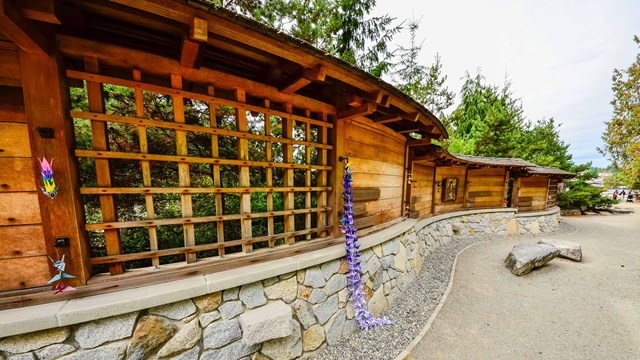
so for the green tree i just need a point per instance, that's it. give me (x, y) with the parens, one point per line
(580, 194)
(540, 143)
(424, 84)
(343, 28)
(622, 136)
(487, 122)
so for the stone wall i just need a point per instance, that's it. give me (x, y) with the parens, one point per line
(291, 315)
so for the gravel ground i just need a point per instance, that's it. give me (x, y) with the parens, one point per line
(411, 312)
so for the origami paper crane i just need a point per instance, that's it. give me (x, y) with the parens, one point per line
(60, 265)
(50, 189)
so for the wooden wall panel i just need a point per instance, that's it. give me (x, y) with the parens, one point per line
(533, 193)
(14, 141)
(422, 190)
(553, 193)
(377, 161)
(458, 172)
(22, 273)
(21, 241)
(16, 174)
(485, 188)
(19, 208)
(11, 104)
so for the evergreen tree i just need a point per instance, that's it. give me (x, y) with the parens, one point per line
(487, 122)
(540, 143)
(424, 84)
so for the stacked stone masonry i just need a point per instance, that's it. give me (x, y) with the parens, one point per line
(293, 315)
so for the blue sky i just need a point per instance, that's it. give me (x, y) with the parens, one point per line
(559, 55)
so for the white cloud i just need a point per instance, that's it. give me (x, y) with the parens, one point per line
(559, 55)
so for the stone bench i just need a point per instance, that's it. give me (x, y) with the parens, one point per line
(525, 257)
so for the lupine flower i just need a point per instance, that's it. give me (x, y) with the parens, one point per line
(50, 189)
(354, 282)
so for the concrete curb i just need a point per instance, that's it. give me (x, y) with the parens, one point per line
(404, 355)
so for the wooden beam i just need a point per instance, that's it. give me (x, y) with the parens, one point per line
(193, 45)
(389, 119)
(156, 64)
(302, 78)
(40, 10)
(244, 177)
(421, 142)
(410, 130)
(16, 28)
(366, 109)
(63, 216)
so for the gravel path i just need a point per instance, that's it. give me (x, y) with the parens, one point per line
(413, 310)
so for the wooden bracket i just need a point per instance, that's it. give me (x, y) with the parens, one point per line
(300, 79)
(366, 109)
(193, 45)
(16, 28)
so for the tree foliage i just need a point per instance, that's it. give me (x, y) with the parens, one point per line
(425, 84)
(582, 195)
(540, 143)
(622, 136)
(487, 122)
(342, 28)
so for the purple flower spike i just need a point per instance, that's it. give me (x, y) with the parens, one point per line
(354, 281)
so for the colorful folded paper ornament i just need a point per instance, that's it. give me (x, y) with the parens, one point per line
(60, 265)
(46, 168)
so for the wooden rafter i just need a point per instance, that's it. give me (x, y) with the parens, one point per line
(40, 10)
(16, 28)
(366, 109)
(302, 78)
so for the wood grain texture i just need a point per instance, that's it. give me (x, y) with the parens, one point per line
(19, 208)
(486, 187)
(16, 174)
(21, 241)
(14, 140)
(22, 273)
(458, 172)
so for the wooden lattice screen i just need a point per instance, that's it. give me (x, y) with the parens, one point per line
(261, 181)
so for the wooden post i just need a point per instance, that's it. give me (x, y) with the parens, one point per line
(434, 193)
(307, 177)
(546, 197)
(215, 153)
(183, 167)
(322, 176)
(335, 200)
(289, 197)
(269, 174)
(505, 192)
(405, 203)
(46, 101)
(243, 175)
(146, 168)
(103, 171)
(466, 188)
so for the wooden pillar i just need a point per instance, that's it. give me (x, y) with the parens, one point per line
(217, 182)
(307, 177)
(323, 138)
(335, 200)
(289, 196)
(466, 188)
(183, 167)
(243, 175)
(146, 168)
(405, 204)
(99, 136)
(46, 100)
(269, 171)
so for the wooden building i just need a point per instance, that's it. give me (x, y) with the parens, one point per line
(122, 96)
(442, 182)
(187, 139)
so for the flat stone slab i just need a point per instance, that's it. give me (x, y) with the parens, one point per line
(568, 249)
(525, 257)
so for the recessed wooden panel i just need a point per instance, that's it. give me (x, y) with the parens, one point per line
(11, 104)
(24, 273)
(14, 140)
(10, 69)
(19, 208)
(16, 174)
(21, 241)
(365, 194)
